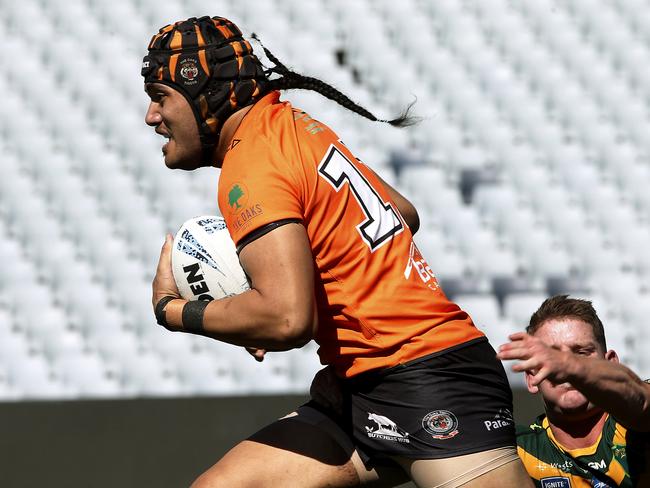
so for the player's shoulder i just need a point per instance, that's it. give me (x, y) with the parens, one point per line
(260, 122)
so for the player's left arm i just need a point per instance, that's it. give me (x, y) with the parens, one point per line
(277, 313)
(605, 382)
(406, 208)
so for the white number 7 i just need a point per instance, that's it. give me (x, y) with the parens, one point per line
(382, 221)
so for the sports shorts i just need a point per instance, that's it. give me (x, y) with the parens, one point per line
(447, 404)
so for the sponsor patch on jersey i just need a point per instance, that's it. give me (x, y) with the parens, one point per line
(555, 482)
(441, 424)
(237, 197)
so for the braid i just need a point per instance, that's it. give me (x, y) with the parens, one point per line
(290, 80)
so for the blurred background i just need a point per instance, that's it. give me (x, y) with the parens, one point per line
(530, 171)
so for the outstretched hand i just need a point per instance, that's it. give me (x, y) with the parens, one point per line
(163, 283)
(537, 358)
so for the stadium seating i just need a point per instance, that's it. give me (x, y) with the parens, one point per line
(530, 170)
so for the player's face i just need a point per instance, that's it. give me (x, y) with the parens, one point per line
(171, 115)
(577, 337)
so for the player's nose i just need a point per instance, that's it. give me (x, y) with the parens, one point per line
(153, 117)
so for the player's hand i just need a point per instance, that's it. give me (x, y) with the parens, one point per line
(537, 358)
(163, 283)
(258, 354)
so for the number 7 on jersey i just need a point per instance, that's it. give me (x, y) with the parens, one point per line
(381, 222)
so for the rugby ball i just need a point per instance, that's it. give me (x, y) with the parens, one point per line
(205, 262)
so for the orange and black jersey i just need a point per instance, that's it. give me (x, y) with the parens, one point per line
(379, 304)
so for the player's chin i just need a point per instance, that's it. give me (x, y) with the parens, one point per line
(178, 160)
(574, 401)
(172, 161)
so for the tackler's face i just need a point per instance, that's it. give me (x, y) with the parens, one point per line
(172, 117)
(577, 337)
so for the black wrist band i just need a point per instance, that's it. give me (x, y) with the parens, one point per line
(193, 315)
(159, 311)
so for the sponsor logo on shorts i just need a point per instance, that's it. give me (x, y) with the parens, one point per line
(556, 482)
(441, 424)
(386, 429)
(502, 419)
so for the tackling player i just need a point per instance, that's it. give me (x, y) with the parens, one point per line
(595, 431)
(328, 248)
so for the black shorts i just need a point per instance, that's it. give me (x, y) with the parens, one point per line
(443, 405)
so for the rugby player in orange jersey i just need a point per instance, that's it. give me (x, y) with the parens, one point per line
(411, 388)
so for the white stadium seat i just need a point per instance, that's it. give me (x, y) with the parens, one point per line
(553, 122)
(87, 375)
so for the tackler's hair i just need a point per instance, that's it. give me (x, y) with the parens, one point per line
(563, 307)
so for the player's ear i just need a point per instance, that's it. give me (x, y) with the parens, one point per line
(612, 356)
(529, 383)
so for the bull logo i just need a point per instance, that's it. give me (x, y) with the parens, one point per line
(385, 427)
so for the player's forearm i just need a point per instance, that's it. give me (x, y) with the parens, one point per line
(250, 320)
(614, 388)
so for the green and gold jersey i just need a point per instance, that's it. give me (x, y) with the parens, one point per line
(618, 458)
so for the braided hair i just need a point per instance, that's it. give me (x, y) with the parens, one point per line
(291, 80)
(210, 63)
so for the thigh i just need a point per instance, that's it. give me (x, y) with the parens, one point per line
(498, 468)
(304, 449)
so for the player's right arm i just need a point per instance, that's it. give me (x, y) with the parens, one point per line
(605, 382)
(277, 313)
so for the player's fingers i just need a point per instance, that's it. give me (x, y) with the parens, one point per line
(539, 376)
(513, 350)
(165, 252)
(167, 246)
(526, 365)
(517, 336)
(258, 354)
(516, 340)
(511, 353)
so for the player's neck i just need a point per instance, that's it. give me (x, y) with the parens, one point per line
(227, 133)
(577, 433)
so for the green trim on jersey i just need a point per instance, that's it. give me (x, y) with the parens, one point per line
(619, 458)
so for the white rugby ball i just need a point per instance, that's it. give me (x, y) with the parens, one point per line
(205, 262)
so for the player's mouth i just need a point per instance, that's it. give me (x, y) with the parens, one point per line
(164, 147)
(167, 139)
